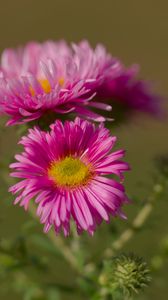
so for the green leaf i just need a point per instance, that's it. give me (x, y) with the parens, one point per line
(7, 261)
(34, 293)
(53, 294)
(28, 226)
(44, 243)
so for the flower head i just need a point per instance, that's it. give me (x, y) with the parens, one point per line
(54, 77)
(65, 171)
(130, 92)
(51, 77)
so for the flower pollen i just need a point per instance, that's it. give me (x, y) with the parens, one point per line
(61, 81)
(45, 85)
(69, 172)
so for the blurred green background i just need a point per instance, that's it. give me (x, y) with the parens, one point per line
(136, 32)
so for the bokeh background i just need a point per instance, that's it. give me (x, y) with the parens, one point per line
(134, 31)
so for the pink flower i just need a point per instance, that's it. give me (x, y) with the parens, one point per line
(53, 77)
(66, 172)
(134, 94)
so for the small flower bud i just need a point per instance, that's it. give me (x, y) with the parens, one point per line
(125, 273)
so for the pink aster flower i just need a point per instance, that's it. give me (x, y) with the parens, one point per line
(54, 77)
(50, 77)
(110, 79)
(66, 172)
(134, 94)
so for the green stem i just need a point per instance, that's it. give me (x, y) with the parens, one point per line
(59, 243)
(137, 224)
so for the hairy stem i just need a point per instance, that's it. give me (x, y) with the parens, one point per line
(58, 242)
(137, 224)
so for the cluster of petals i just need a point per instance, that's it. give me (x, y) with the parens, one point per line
(87, 203)
(55, 77)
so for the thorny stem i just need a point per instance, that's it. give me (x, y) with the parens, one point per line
(59, 244)
(137, 224)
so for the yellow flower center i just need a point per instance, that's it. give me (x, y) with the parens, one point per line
(45, 84)
(32, 91)
(69, 172)
(61, 81)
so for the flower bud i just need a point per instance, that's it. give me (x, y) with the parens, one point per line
(125, 273)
